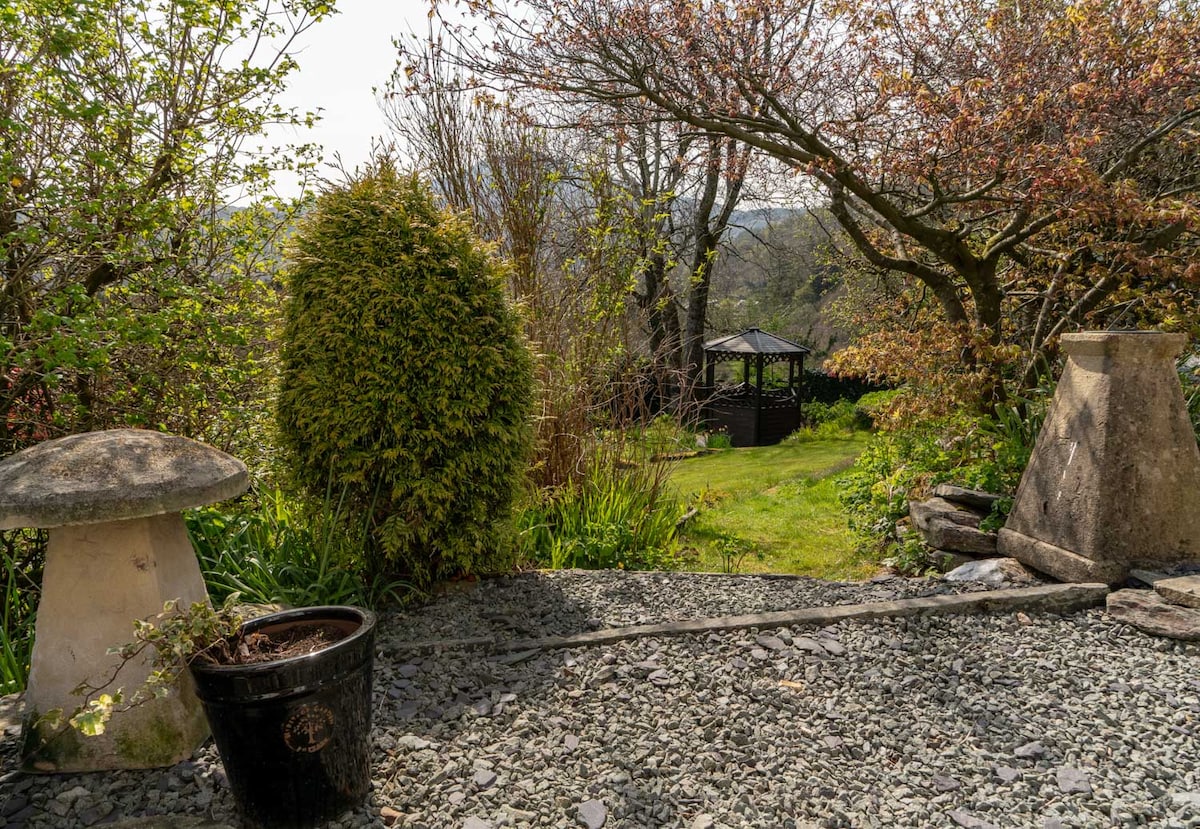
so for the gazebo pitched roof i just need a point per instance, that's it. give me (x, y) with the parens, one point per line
(755, 341)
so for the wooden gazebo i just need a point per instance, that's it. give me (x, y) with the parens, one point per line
(752, 415)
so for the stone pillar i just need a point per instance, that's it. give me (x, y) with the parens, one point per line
(1114, 480)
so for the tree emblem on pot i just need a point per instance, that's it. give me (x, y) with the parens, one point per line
(309, 728)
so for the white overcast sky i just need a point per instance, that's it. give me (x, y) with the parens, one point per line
(342, 59)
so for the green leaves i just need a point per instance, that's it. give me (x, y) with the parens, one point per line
(175, 639)
(981, 452)
(21, 561)
(180, 637)
(129, 287)
(280, 553)
(405, 380)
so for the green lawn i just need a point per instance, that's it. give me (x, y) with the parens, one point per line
(779, 503)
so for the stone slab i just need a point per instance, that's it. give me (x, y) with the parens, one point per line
(1064, 565)
(168, 822)
(992, 571)
(1148, 611)
(947, 561)
(922, 512)
(942, 534)
(1053, 598)
(1147, 577)
(113, 475)
(973, 498)
(1181, 590)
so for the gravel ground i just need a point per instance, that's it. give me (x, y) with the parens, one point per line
(1034, 720)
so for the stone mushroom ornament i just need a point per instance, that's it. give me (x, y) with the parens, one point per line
(117, 550)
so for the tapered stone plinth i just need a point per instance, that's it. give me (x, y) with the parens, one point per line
(117, 551)
(1114, 480)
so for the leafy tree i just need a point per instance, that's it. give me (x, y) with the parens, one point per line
(676, 188)
(406, 386)
(1028, 166)
(781, 271)
(687, 186)
(550, 218)
(129, 295)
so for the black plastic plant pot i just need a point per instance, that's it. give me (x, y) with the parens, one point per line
(294, 734)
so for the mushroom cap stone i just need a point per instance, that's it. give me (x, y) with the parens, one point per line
(111, 476)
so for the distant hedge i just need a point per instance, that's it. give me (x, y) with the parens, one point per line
(406, 388)
(825, 388)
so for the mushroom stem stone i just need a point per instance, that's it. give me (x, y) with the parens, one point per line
(117, 551)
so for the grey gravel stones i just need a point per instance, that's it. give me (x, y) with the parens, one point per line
(166, 822)
(484, 779)
(969, 821)
(832, 646)
(1186, 800)
(944, 783)
(593, 814)
(1072, 781)
(871, 725)
(1030, 750)
(804, 643)
(1007, 773)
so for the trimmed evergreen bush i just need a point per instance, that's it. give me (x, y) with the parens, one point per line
(405, 382)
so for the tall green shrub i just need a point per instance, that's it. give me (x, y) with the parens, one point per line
(405, 380)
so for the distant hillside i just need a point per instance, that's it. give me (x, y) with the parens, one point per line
(759, 219)
(780, 271)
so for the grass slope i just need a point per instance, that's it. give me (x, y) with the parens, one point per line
(774, 506)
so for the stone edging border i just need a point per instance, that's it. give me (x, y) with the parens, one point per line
(1051, 598)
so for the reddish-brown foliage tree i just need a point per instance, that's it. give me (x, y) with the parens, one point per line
(1032, 165)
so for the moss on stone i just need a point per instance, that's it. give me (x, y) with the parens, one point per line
(47, 747)
(155, 742)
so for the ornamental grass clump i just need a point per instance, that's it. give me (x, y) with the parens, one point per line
(405, 379)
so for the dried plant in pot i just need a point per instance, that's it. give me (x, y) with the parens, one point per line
(287, 696)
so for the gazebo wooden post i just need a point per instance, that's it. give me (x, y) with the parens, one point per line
(800, 386)
(710, 377)
(758, 381)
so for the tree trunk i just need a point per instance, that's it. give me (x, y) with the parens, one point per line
(662, 317)
(697, 314)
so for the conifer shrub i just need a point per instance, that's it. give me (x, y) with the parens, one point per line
(405, 382)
